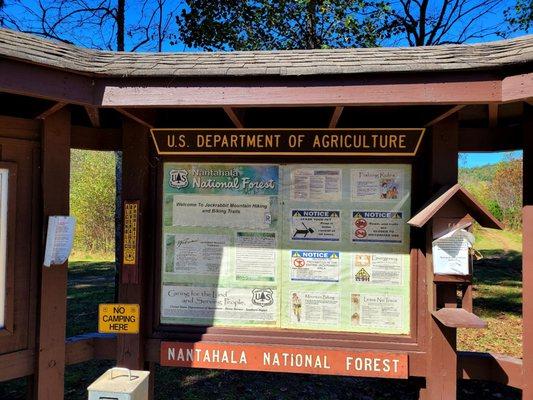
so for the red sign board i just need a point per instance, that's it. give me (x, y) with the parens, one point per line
(284, 359)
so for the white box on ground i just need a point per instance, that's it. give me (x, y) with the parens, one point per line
(120, 384)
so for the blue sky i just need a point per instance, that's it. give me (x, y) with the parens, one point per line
(92, 37)
(469, 160)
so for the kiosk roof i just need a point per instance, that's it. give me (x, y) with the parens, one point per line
(485, 56)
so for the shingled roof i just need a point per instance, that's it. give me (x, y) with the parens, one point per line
(493, 55)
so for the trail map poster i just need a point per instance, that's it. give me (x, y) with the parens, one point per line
(287, 246)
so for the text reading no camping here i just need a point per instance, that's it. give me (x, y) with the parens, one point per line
(280, 358)
(394, 142)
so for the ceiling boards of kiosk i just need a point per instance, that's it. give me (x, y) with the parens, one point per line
(287, 246)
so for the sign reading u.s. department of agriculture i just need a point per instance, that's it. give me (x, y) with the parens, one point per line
(347, 142)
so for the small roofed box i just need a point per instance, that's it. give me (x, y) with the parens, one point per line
(120, 384)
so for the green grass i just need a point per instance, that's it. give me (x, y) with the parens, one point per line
(497, 294)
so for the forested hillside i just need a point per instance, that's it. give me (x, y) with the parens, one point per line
(499, 188)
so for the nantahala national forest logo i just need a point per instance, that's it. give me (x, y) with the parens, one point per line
(262, 297)
(178, 178)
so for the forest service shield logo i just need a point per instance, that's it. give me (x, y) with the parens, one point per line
(262, 297)
(178, 178)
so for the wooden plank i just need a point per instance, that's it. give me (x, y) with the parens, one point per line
(490, 139)
(337, 112)
(135, 180)
(16, 365)
(236, 117)
(490, 367)
(19, 128)
(53, 293)
(493, 115)
(441, 359)
(90, 346)
(142, 116)
(106, 139)
(375, 90)
(458, 318)
(527, 255)
(517, 87)
(445, 115)
(56, 107)
(46, 83)
(94, 115)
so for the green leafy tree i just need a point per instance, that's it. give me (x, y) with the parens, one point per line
(283, 24)
(520, 17)
(92, 200)
(506, 189)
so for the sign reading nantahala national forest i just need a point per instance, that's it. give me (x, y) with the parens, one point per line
(285, 359)
(348, 142)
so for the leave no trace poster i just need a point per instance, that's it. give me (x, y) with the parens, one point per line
(290, 246)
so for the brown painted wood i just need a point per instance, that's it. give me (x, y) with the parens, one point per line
(53, 291)
(135, 180)
(458, 318)
(527, 255)
(47, 83)
(444, 197)
(493, 115)
(517, 87)
(145, 117)
(16, 365)
(94, 115)
(444, 115)
(56, 107)
(90, 346)
(103, 139)
(236, 116)
(19, 128)
(441, 359)
(490, 139)
(337, 112)
(490, 367)
(389, 90)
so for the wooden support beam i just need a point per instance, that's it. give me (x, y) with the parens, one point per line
(527, 256)
(145, 117)
(493, 115)
(236, 116)
(444, 115)
(132, 287)
(441, 380)
(106, 139)
(337, 112)
(50, 366)
(94, 115)
(490, 139)
(56, 107)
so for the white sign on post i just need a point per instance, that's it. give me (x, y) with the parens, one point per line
(59, 239)
(451, 253)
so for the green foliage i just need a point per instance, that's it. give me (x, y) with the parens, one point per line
(520, 17)
(499, 188)
(283, 24)
(92, 200)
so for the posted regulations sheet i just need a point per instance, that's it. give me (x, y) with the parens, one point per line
(290, 246)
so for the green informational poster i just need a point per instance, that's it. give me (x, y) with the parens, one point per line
(293, 246)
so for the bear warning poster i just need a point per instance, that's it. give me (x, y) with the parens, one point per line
(282, 246)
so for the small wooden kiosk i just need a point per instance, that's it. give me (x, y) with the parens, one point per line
(267, 199)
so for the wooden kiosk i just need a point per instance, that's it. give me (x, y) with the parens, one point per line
(267, 199)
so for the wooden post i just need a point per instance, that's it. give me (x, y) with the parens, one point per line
(50, 366)
(527, 260)
(441, 381)
(135, 184)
